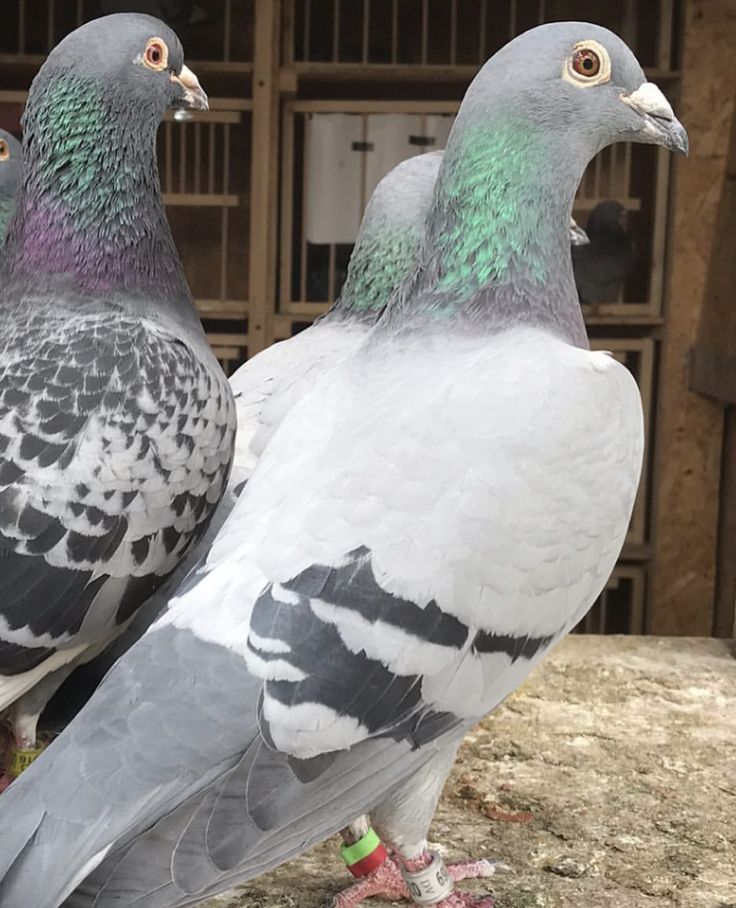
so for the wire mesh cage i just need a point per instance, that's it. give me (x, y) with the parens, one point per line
(205, 177)
(219, 31)
(451, 33)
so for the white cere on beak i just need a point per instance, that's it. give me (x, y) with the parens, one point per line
(659, 125)
(648, 99)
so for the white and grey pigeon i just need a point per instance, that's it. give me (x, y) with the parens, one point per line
(424, 524)
(9, 179)
(116, 422)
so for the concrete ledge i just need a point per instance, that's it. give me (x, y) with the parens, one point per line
(615, 765)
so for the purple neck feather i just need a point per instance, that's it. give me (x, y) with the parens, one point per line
(90, 206)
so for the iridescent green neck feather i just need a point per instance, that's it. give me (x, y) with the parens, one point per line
(90, 209)
(497, 248)
(383, 256)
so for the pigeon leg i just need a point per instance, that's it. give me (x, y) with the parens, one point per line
(23, 748)
(412, 872)
(388, 882)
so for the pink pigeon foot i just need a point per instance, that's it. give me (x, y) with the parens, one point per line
(386, 882)
(5, 781)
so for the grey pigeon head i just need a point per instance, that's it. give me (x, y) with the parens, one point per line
(581, 81)
(497, 250)
(390, 236)
(89, 212)
(131, 59)
(10, 158)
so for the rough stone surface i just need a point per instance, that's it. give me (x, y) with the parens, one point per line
(609, 779)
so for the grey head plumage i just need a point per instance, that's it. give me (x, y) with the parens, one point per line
(497, 245)
(10, 161)
(120, 74)
(603, 264)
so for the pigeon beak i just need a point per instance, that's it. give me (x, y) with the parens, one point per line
(194, 96)
(661, 126)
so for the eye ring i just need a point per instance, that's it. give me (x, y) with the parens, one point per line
(156, 54)
(4, 150)
(587, 65)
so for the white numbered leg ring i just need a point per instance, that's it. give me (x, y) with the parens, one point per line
(430, 885)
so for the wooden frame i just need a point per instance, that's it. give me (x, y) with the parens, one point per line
(264, 174)
(366, 68)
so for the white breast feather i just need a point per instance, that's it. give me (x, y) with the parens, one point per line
(499, 486)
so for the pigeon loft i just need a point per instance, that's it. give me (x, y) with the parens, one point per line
(304, 88)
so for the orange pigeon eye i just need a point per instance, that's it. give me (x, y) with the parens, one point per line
(4, 150)
(586, 62)
(156, 54)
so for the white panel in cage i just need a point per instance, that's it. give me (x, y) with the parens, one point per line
(437, 128)
(333, 174)
(389, 143)
(620, 607)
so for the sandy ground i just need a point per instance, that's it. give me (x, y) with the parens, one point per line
(608, 779)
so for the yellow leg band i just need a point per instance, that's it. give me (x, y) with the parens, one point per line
(22, 759)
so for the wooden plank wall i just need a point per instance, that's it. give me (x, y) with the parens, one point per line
(712, 372)
(690, 426)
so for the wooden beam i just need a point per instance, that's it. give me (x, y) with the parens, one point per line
(724, 614)
(690, 427)
(310, 71)
(201, 200)
(264, 169)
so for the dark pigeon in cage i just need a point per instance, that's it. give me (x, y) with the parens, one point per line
(603, 264)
